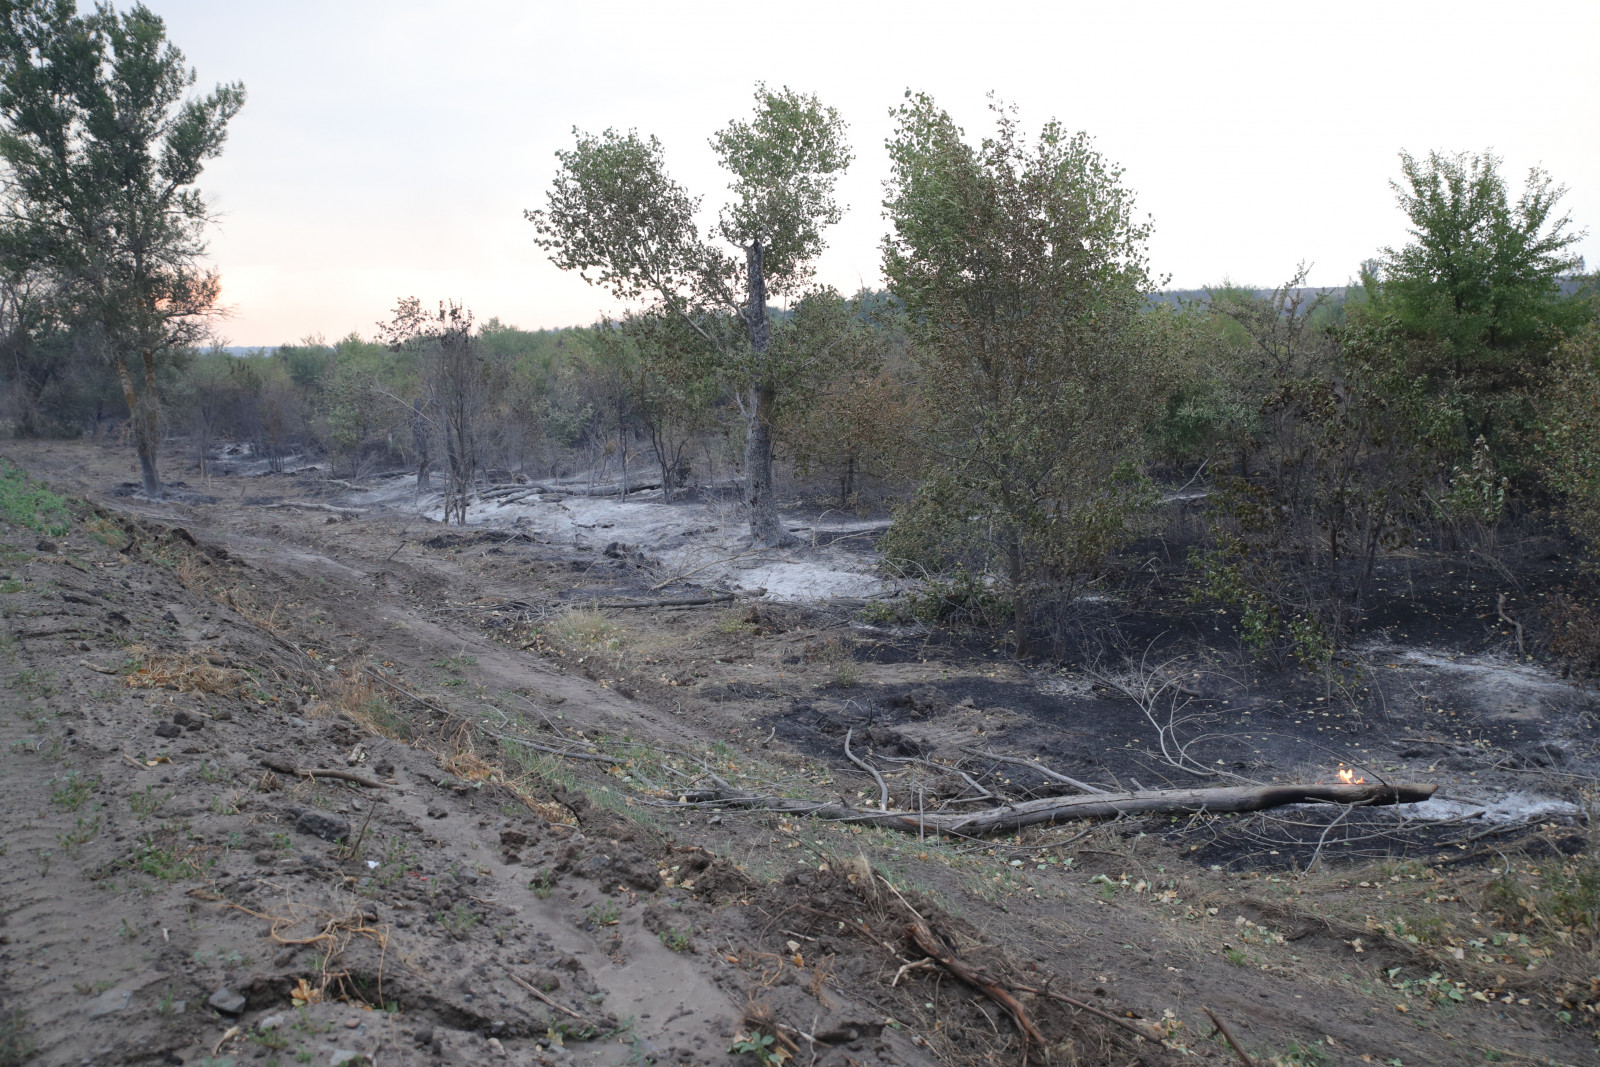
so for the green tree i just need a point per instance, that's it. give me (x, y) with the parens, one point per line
(615, 216)
(1479, 281)
(1023, 273)
(102, 148)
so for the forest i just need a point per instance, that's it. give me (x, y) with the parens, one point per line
(1023, 399)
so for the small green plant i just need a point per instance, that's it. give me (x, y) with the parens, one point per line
(543, 884)
(126, 932)
(71, 790)
(81, 835)
(34, 683)
(605, 913)
(167, 863)
(222, 806)
(1298, 1055)
(458, 920)
(759, 1045)
(1235, 957)
(280, 842)
(270, 1039)
(675, 939)
(147, 803)
(16, 1043)
(214, 774)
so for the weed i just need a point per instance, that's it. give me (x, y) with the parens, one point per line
(16, 1043)
(1235, 957)
(71, 790)
(147, 803)
(270, 1039)
(219, 806)
(605, 913)
(165, 863)
(128, 933)
(24, 502)
(1298, 1055)
(11, 586)
(543, 884)
(34, 683)
(82, 835)
(761, 1046)
(214, 774)
(675, 939)
(455, 664)
(280, 842)
(458, 920)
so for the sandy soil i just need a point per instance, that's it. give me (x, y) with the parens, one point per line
(167, 897)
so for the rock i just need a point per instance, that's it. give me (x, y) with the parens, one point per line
(168, 729)
(227, 1001)
(266, 857)
(321, 824)
(513, 838)
(168, 616)
(181, 718)
(437, 813)
(424, 1036)
(222, 715)
(45, 546)
(347, 1056)
(272, 1022)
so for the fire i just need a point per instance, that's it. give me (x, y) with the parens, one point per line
(1348, 777)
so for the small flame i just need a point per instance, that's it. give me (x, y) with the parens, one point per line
(1349, 777)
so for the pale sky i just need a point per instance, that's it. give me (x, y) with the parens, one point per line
(388, 149)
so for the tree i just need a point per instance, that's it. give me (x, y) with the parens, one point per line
(456, 384)
(102, 148)
(613, 210)
(1479, 280)
(1023, 274)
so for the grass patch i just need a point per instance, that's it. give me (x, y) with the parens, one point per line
(24, 502)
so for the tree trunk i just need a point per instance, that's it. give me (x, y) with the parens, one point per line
(419, 437)
(766, 529)
(144, 416)
(1008, 818)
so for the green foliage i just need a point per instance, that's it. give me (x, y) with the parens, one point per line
(1570, 450)
(676, 940)
(24, 502)
(764, 1047)
(103, 144)
(1022, 271)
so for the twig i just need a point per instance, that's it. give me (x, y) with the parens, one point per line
(1126, 1024)
(1046, 771)
(925, 940)
(536, 992)
(883, 789)
(283, 766)
(1223, 1030)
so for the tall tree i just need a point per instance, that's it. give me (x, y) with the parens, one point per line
(102, 145)
(1023, 272)
(1479, 283)
(614, 211)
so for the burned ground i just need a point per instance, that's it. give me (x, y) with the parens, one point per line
(172, 876)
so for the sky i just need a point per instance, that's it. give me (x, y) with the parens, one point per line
(388, 149)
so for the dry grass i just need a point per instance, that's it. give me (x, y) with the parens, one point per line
(588, 628)
(243, 603)
(189, 672)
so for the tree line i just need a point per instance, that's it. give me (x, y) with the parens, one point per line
(1020, 394)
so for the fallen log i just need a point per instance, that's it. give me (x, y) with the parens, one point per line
(1097, 806)
(307, 505)
(684, 601)
(283, 766)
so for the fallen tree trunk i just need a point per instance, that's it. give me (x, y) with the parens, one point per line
(306, 505)
(1098, 806)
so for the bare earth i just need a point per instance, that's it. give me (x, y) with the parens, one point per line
(191, 896)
